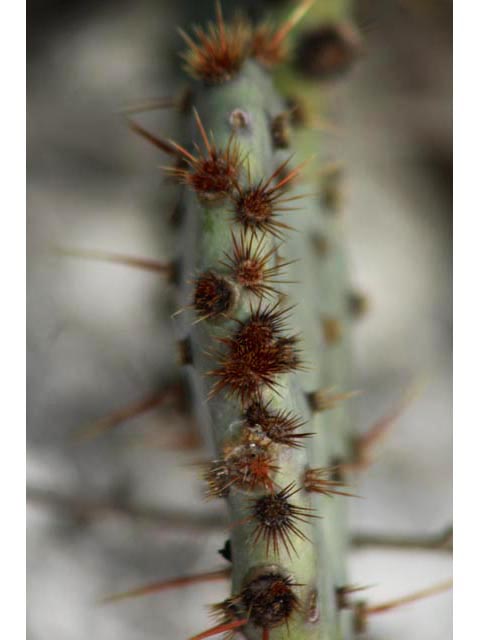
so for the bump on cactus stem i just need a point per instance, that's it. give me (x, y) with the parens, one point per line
(280, 129)
(247, 465)
(259, 206)
(214, 295)
(320, 244)
(266, 600)
(332, 330)
(276, 518)
(239, 120)
(331, 188)
(279, 426)
(328, 51)
(312, 609)
(358, 304)
(247, 264)
(220, 50)
(184, 352)
(213, 173)
(256, 355)
(269, 597)
(298, 110)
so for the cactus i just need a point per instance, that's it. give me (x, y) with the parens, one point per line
(271, 333)
(265, 308)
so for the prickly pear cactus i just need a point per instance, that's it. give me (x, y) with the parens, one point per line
(264, 332)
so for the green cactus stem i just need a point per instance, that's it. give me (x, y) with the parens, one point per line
(260, 358)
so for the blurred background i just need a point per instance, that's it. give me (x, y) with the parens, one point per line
(126, 509)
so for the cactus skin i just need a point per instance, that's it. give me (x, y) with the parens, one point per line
(327, 277)
(207, 237)
(320, 291)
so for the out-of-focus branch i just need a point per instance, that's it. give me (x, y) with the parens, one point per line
(89, 508)
(436, 542)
